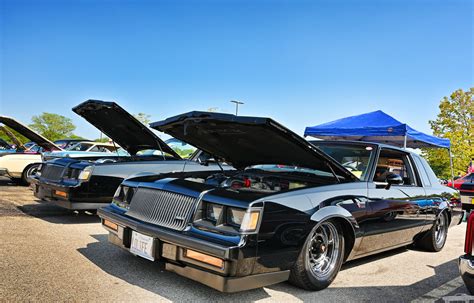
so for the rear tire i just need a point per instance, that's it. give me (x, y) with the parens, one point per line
(435, 238)
(321, 257)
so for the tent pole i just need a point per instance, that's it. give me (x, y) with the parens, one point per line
(405, 142)
(451, 165)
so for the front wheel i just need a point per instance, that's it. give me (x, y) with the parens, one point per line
(321, 257)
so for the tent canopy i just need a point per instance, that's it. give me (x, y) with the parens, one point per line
(378, 127)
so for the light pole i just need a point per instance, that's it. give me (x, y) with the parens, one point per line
(237, 103)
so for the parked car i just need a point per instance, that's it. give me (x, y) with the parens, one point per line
(21, 164)
(66, 143)
(88, 185)
(458, 182)
(4, 145)
(290, 210)
(467, 195)
(88, 149)
(466, 261)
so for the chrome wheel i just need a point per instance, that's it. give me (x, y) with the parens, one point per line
(32, 171)
(323, 250)
(440, 230)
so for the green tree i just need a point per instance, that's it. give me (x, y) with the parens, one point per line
(455, 121)
(143, 118)
(53, 126)
(4, 136)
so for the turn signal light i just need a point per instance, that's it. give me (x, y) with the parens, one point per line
(110, 225)
(191, 254)
(250, 221)
(60, 193)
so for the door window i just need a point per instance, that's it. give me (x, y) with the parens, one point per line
(394, 162)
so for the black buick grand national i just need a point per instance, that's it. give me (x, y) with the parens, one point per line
(291, 211)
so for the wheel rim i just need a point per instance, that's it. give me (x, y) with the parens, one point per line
(323, 250)
(440, 230)
(31, 171)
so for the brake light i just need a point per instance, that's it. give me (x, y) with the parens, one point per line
(468, 242)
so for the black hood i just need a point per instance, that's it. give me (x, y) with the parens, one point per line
(120, 126)
(245, 141)
(29, 133)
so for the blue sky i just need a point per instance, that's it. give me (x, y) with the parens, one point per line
(300, 62)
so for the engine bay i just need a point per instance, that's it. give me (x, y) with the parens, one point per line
(254, 181)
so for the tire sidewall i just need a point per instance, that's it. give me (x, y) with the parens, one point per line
(323, 283)
(436, 246)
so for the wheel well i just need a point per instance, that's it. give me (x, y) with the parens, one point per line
(28, 166)
(349, 237)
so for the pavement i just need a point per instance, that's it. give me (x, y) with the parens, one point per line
(49, 254)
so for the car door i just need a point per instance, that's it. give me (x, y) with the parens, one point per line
(395, 212)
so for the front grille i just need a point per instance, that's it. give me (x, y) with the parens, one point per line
(52, 172)
(162, 208)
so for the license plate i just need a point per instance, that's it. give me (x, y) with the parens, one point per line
(143, 246)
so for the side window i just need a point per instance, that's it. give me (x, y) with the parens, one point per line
(95, 149)
(422, 170)
(394, 162)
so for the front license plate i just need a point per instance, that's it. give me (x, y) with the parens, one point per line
(143, 246)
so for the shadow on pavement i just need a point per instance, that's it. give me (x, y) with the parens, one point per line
(153, 277)
(55, 214)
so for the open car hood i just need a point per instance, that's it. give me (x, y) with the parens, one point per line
(245, 141)
(121, 127)
(29, 133)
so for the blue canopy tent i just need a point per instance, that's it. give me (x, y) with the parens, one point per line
(378, 127)
(375, 126)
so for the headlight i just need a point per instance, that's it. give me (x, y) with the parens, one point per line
(123, 196)
(213, 211)
(86, 173)
(225, 218)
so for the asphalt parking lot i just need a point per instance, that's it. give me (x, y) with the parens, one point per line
(49, 254)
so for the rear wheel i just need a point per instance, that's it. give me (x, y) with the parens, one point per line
(435, 238)
(321, 257)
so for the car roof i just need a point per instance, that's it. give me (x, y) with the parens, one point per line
(355, 142)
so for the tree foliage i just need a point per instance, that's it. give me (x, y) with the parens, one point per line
(143, 118)
(53, 126)
(455, 121)
(3, 136)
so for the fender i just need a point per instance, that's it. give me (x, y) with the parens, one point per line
(330, 212)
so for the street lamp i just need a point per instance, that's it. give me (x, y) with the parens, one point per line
(237, 103)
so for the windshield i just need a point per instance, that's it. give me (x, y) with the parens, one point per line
(354, 157)
(183, 149)
(80, 147)
(279, 168)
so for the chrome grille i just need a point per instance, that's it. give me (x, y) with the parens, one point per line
(162, 208)
(51, 172)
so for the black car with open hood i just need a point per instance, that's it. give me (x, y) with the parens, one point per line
(293, 210)
(82, 184)
(121, 127)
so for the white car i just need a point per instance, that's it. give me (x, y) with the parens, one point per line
(21, 164)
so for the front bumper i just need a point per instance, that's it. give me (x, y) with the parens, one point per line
(235, 275)
(65, 196)
(466, 269)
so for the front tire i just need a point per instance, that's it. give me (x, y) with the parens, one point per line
(435, 238)
(321, 257)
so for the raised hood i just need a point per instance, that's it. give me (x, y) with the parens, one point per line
(29, 133)
(120, 126)
(245, 141)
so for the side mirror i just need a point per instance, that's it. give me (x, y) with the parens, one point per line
(393, 179)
